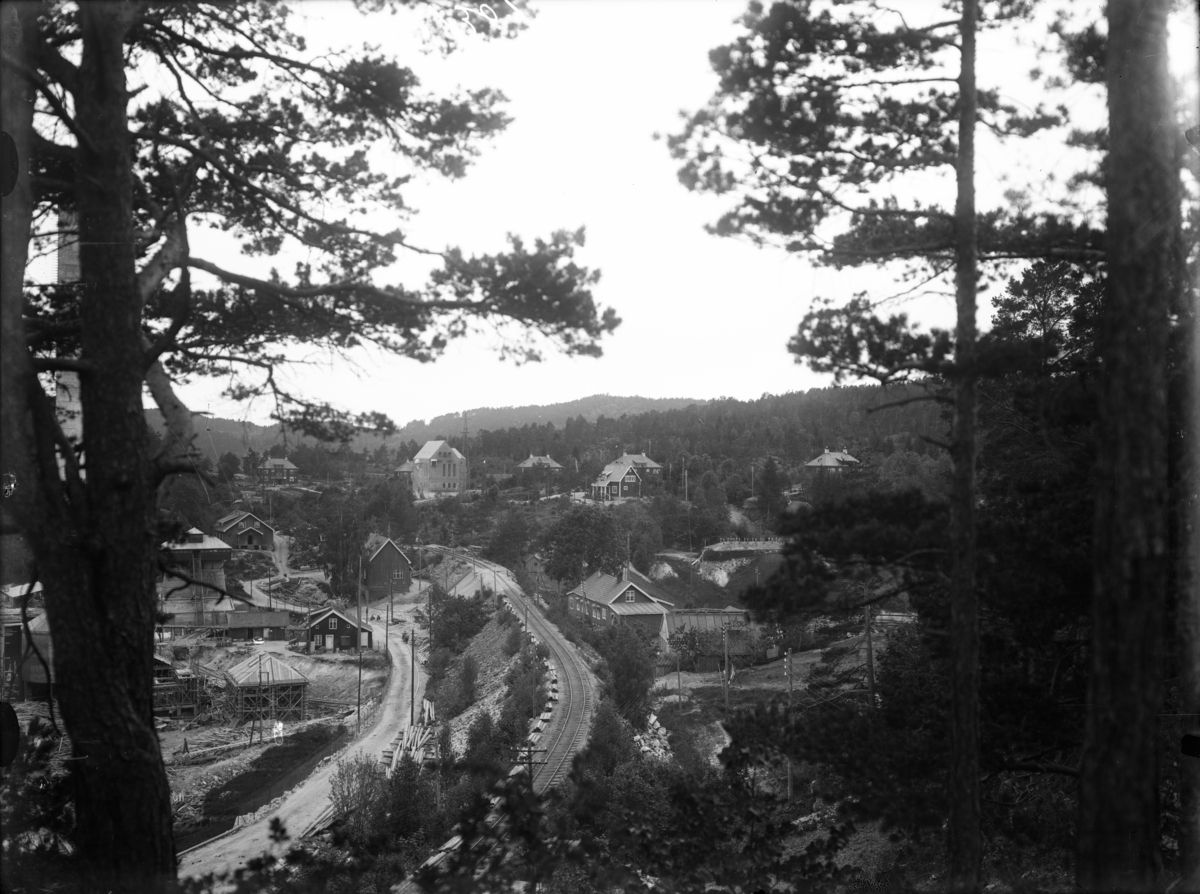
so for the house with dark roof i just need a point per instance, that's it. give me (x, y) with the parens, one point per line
(624, 477)
(386, 569)
(631, 599)
(277, 471)
(404, 472)
(543, 463)
(834, 460)
(245, 530)
(332, 629)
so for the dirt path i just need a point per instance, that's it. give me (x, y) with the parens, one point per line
(308, 801)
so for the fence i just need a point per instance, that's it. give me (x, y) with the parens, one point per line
(260, 797)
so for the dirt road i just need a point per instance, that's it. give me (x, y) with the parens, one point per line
(309, 800)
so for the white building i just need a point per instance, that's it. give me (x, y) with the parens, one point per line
(438, 470)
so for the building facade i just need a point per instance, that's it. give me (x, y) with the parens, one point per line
(245, 530)
(202, 558)
(625, 477)
(277, 471)
(439, 470)
(333, 630)
(631, 600)
(386, 569)
(834, 460)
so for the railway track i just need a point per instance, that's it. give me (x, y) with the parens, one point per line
(571, 723)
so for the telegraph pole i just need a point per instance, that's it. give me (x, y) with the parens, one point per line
(358, 636)
(870, 660)
(788, 660)
(725, 672)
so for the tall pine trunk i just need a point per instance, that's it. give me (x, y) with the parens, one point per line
(98, 566)
(1184, 482)
(1184, 462)
(18, 30)
(1118, 835)
(964, 842)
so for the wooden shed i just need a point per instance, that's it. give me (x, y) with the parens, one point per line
(263, 687)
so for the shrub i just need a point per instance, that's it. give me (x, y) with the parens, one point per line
(516, 638)
(357, 792)
(469, 673)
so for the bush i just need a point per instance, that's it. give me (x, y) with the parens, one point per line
(516, 638)
(356, 792)
(456, 619)
(469, 673)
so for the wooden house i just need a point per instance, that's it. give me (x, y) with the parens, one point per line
(245, 530)
(386, 569)
(833, 461)
(624, 477)
(278, 471)
(333, 630)
(631, 599)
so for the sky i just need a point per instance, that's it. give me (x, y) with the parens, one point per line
(589, 83)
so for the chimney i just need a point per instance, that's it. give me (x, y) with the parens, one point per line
(826, 449)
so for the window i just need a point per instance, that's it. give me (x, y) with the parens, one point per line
(333, 623)
(345, 642)
(629, 597)
(398, 574)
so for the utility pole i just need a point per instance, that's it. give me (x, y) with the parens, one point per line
(870, 660)
(678, 683)
(358, 636)
(725, 672)
(788, 661)
(412, 677)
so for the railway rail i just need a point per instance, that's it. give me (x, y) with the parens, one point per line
(569, 727)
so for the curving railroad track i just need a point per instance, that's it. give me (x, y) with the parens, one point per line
(572, 718)
(571, 721)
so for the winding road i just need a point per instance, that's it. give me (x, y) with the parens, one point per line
(310, 799)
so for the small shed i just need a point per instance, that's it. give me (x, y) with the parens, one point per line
(263, 687)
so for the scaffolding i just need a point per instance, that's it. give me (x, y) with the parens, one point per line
(175, 689)
(262, 688)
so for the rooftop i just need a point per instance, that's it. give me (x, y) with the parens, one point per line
(833, 459)
(432, 448)
(264, 670)
(538, 462)
(277, 464)
(197, 540)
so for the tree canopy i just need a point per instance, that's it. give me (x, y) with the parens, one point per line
(137, 125)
